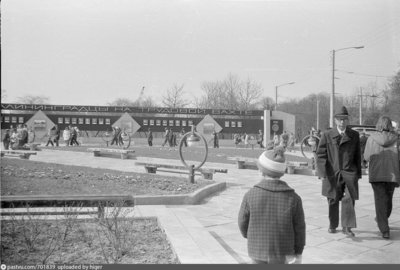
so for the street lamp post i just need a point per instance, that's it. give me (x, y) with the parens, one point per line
(332, 105)
(276, 93)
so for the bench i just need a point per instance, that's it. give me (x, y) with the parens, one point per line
(124, 152)
(250, 163)
(244, 163)
(207, 173)
(21, 153)
(33, 146)
(299, 166)
(99, 201)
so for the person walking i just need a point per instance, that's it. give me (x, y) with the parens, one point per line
(51, 137)
(74, 135)
(166, 137)
(382, 153)
(115, 135)
(184, 142)
(260, 139)
(67, 136)
(363, 142)
(271, 215)
(339, 166)
(6, 139)
(246, 140)
(57, 134)
(215, 139)
(150, 137)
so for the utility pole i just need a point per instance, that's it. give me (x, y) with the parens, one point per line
(361, 105)
(317, 113)
(332, 105)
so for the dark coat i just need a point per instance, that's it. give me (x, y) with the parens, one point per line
(150, 136)
(339, 163)
(271, 217)
(57, 133)
(382, 152)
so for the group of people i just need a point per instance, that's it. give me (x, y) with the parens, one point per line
(16, 138)
(117, 136)
(286, 140)
(247, 139)
(276, 234)
(170, 137)
(70, 135)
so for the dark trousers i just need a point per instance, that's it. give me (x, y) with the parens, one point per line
(50, 141)
(150, 142)
(383, 194)
(6, 145)
(348, 216)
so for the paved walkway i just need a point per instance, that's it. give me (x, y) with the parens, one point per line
(208, 233)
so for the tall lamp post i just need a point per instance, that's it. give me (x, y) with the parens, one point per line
(332, 105)
(276, 93)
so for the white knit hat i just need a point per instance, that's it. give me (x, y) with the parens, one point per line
(272, 162)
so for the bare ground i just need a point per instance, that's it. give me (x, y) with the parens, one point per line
(141, 241)
(26, 177)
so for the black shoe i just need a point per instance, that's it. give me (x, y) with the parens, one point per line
(348, 232)
(332, 230)
(386, 235)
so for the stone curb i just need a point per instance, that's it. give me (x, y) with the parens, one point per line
(192, 198)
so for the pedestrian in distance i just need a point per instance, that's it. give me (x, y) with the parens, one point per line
(382, 153)
(74, 136)
(271, 215)
(150, 137)
(184, 141)
(14, 140)
(363, 142)
(339, 166)
(166, 137)
(51, 137)
(215, 139)
(260, 139)
(246, 140)
(115, 134)
(57, 134)
(6, 139)
(67, 136)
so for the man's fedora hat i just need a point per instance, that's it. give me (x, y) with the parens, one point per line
(342, 113)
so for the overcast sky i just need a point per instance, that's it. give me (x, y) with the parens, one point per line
(90, 52)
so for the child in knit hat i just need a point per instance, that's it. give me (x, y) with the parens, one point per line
(271, 215)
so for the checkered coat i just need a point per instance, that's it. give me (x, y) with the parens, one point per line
(271, 217)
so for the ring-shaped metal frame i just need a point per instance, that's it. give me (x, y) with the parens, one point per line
(180, 149)
(304, 143)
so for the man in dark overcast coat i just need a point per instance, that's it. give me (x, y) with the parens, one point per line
(339, 166)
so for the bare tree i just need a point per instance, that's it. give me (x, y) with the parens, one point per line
(232, 86)
(174, 97)
(249, 93)
(148, 102)
(3, 94)
(266, 103)
(122, 102)
(231, 93)
(213, 95)
(30, 99)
